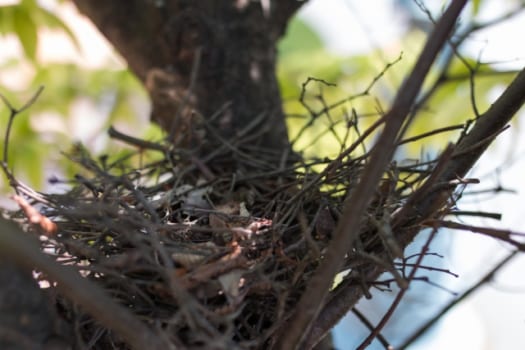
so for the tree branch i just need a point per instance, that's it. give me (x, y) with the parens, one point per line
(485, 279)
(356, 203)
(24, 251)
(466, 153)
(468, 150)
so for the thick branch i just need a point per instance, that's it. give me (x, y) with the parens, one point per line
(24, 251)
(466, 153)
(356, 203)
(489, 124)
(27, 315)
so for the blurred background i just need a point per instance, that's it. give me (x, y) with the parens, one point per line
(345, 42)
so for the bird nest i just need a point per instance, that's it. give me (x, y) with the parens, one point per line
(205, 257)
(209, 257)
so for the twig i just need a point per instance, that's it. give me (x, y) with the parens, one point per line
(502, 235)
(13, 113)
(480, 214)
(24, 251)
(356, 203)
(487, 278)
(399, 296)
(143, 144)
(370, 326)
(431, 133)
(336, 162)
(314, 115)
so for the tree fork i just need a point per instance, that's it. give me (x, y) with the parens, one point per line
(235, 43)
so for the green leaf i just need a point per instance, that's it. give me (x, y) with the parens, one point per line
(299, 38)
(29, 4)
(475, 6)
(47, 19)
(25, 18)
(26, 30)
(6, 19)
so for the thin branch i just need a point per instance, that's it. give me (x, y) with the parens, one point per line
(479, 214)
(487, 278)
(431, 133)
(370, 326)
(502, 235)
(310, 304)
(13, 113)
(130, 140)
(24, 251)
(399, 296)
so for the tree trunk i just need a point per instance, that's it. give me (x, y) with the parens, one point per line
(208, 58)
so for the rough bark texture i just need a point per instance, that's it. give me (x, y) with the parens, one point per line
(230, 45)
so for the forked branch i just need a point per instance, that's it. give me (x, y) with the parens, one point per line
(358, 200)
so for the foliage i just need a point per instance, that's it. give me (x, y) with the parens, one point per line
(25, 19)
(50, 127)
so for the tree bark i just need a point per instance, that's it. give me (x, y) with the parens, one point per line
(202, 57)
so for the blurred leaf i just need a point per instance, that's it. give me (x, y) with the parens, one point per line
(47, 19)
(27, 32)
(24, 20)
(475, 6)
(299, 38)
(6, 19)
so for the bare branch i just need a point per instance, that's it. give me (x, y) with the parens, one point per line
(24, 251)
(356, 203)
(469, 149)
(399, 296)
(487, 278)
(13, 113)
(502, 235)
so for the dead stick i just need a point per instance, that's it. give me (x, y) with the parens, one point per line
(356, 203)
(23, 250)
